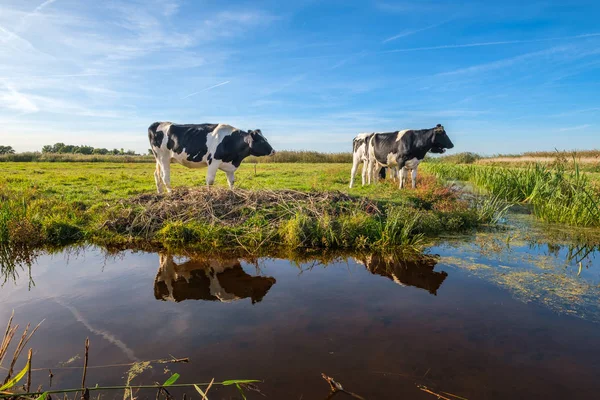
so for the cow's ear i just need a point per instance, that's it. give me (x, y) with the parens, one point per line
(439, 125)
(249, 138)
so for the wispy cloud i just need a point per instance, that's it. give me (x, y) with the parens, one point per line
(411, 32)
(14, 100)
(505, 62)
(574, 128)
(576, 112)
(206, 89)
(43, 5)
(495, 43)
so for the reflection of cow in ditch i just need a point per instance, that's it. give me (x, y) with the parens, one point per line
(222, 280)
(416, 272)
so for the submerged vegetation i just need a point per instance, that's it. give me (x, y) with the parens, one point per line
(555, 193)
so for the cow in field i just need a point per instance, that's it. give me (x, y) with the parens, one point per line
(405, 149)
(360, 155)
(211, 280)
(217, 146)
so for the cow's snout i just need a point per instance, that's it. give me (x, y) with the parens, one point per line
(272, 153)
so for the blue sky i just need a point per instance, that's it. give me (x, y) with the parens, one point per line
(502, 77)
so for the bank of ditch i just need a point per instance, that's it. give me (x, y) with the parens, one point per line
(254, 220)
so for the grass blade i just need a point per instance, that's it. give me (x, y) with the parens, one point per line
(237, 381)
(15, 380)
(171, 380)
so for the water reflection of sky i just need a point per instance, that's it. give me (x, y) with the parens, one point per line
(376, 324)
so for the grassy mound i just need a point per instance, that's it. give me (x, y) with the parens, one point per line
(209, 218)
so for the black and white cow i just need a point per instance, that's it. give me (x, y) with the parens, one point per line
(217, 146)
(360, 154)
(406, 149)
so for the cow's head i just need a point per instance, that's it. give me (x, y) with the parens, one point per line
(258, 144)
(441, 141)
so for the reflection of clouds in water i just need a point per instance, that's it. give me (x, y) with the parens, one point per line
(105, 334)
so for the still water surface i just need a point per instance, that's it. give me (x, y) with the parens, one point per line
(481, 320)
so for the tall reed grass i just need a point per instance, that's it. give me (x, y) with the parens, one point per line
(555, 193)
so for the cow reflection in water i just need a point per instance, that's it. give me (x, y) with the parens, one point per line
(213, 280)
(416, 272)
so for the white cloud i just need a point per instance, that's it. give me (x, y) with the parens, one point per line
(14, 100)
(574, 128)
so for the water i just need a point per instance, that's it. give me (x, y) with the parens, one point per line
(480, 320)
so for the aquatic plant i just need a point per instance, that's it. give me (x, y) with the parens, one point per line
(555, 193)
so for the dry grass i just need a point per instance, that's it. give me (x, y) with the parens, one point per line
(224, 206)
(536, 159)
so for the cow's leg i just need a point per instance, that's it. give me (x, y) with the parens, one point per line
(365, 170)
(394, 173)
(230, 178)
(414, 178)
(374, 169)
(166, 174)
(355, 162)
(157, 178)
(402, 177)
(402, 171)
(370, 168)
(212, 172)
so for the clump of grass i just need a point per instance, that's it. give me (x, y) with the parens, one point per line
(58, 231)
(400, 229)
(555, 193)
(204, 219)
(490, 210)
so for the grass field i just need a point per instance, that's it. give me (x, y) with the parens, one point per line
(115, 204)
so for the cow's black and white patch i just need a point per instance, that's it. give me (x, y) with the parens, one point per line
(217, 146)
(406, 149)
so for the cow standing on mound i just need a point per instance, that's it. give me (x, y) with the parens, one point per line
(217, 146)
(406, 149)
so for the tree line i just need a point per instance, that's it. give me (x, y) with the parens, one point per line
(61, 148)
(6, 150)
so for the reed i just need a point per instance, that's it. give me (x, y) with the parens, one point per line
(556, 194)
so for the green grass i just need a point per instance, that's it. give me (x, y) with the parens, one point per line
(115, 204)
(284, 156)
(555, 193)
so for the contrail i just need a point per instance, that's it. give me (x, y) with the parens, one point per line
(457, 46)
(100, 332)
(41, 6)
(408, 33)
(206, 89)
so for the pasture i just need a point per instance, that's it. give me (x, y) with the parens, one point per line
(115, 204)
